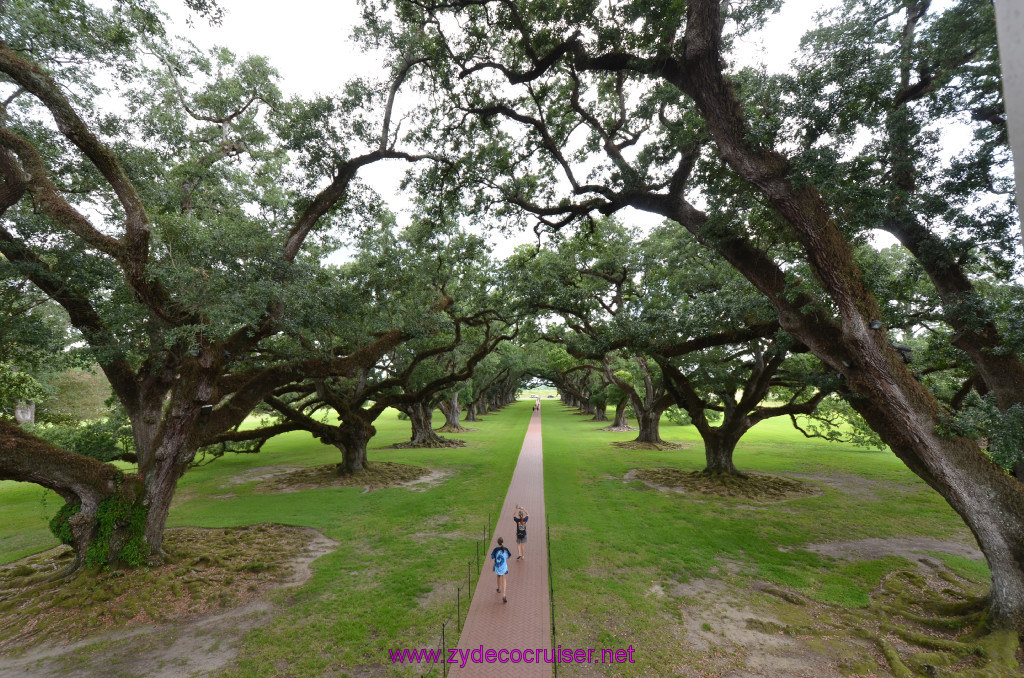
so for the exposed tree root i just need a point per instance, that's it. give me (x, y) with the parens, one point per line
(954, 636)
(784, 595)
(430, 444)
(954, 623)
(618, 429)
(932, 642)
(454, 429)
(213, 569)
(662, 446)
(928, 623)
(899, 669)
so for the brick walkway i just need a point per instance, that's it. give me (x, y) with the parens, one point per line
(525, 620)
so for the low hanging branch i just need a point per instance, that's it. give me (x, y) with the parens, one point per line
(102, 522)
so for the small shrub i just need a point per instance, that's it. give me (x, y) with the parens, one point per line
(103, 439)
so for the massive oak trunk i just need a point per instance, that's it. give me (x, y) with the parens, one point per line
(451, 412)
(423, 435)
(168, 416)
(164, 453)
(601, 413)
(899, 408)
(471, 412)
(352, 437)
(719, 447)
(621, 414)
(421, 417)
(648, 420)
(621, 422)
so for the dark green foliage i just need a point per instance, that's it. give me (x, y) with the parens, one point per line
(59, 525)
(16, 386)
(1001, 434)
(104, 439)
(113, 513)
(679, 416)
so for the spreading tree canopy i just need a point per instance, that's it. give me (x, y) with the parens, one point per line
(577, 108)
(180, 218)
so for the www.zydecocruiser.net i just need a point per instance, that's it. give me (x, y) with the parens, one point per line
(480, 655)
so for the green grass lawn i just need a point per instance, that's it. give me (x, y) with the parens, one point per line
(402, 551)
(617, 545)
(25, 510)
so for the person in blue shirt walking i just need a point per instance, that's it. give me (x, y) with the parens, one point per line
(500, 556)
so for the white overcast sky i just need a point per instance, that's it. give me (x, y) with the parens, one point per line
(307, 41)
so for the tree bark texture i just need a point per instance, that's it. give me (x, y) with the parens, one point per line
(81, 481)
(451, 411)
(352, 438)
(718, 452)
(621, 421)
(649, 422)
(423, 435)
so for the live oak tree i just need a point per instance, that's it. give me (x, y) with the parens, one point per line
(359, 400)
(925, 71)
(587, 282)
(645, 387)
(669, 325)
(393, 276)
(179, 218)
(625, 104)
(730, 366)
(451, 408)
(577, 381)
(496, 380)
(620, 421)
(459, 264)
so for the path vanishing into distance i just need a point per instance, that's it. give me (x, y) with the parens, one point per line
(524, 622)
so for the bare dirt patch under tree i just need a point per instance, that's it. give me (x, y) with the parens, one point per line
(214, 572)
(925, 620)
(377, 476)
(759, 487)
(661, 447)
